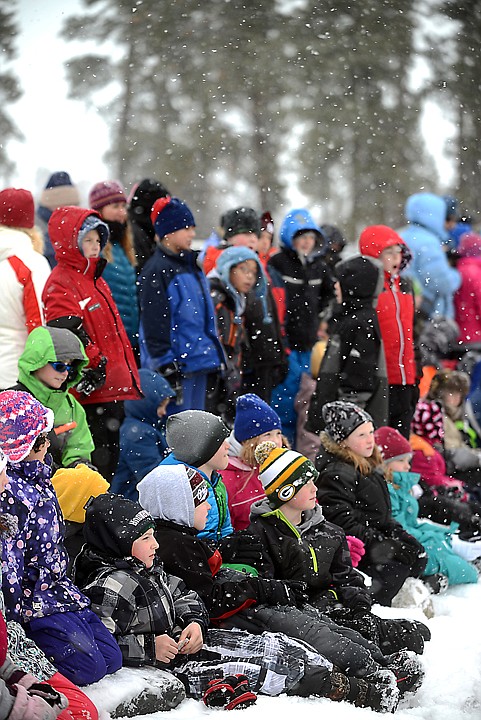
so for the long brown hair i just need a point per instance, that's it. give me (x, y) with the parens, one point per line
(127, 245)
(363, 465)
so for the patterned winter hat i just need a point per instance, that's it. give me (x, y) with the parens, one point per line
(170, 214)
(17, 208)
(428, 421)
(113, 523)
(392, 444)
(267, 223)
(253, 417)
(342, 418)
(22, 420)
(105, 193)
(198, 485)
(282, 472)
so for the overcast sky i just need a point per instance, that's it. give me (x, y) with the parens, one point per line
(62, 134)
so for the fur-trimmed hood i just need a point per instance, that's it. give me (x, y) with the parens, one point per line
(331, 451)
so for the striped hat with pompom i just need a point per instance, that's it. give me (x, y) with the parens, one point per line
(282, 472)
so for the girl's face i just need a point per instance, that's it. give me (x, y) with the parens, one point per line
(402, 465)
(272, 435)
(361, 441)
(144, 548)
(4, 480)
(453, 399)
(391, 259)
(305, 498)
(114, 212)
(40, 448)
(91, 245)
(200, 515)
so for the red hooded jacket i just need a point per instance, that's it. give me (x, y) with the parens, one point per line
(75, 289)
(395, 307)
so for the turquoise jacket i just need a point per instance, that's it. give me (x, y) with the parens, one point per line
(436, 539)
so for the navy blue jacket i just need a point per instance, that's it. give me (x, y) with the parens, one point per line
(177, 317)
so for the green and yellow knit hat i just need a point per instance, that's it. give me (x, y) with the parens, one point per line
(282, 472)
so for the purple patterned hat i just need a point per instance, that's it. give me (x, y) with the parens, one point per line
(22, 420)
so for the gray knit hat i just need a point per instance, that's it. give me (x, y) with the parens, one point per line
(342, 418)
(194, 436)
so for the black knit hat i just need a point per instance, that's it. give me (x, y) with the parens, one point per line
(194, 436)
(241, 220)
(113, 523)
(342, 418)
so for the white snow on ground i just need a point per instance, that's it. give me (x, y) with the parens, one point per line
(451, 690)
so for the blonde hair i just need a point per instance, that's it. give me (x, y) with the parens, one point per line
(247, 454)
(35, 235)
(362, 464)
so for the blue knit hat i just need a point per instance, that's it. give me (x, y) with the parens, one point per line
(254, 417)
(170, 214)
(295, 222)
(93, 222)
(231, 257)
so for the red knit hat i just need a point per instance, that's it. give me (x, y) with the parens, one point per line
(17, 208)
(105, 193)
(392, 444)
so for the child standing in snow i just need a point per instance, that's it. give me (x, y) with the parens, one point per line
(353, 494)
(38, 593)
(436, 539)
(142, 434)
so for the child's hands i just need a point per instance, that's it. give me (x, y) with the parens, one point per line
(192, 633)
(165, 648)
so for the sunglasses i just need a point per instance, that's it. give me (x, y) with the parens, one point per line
(40, 442)
(61, 367)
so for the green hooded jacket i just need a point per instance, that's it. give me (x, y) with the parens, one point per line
(48, 344)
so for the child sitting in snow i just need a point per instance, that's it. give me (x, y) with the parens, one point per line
(157, 621)
(299, 544)
(142, 434)
(403, 488)
(38, 593)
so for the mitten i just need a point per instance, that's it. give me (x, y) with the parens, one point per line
(356, 548)
(241, 548)
(33, 707)
(171, 372)
(280, 592)
(93, 378)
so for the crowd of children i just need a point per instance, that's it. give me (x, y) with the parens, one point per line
(156, 508)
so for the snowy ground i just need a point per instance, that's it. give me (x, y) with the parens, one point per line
(451, 690)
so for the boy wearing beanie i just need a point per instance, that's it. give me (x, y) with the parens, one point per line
(242, 228)
(255, 422)
(178, 336)
(23, 274)
(59, 191)
(238, 271)
(299, 544)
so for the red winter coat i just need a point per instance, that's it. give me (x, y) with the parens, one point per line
(75, 289)
(395, 312)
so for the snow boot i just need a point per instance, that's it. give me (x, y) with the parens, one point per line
(378, 692)
(437, 583)
(408, 670)
(164, 693)
(231, 692)
(414, 594)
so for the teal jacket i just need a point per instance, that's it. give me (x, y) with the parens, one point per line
(436, 539)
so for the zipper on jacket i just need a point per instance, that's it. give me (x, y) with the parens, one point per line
(394, 291)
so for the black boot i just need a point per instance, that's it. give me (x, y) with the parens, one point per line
(408, 670)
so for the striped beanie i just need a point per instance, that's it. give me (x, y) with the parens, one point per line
(106, 193)
(282, 472)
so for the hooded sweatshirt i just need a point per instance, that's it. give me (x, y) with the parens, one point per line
(77, 297)
(45, 345)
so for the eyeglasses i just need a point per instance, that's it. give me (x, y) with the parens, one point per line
(40, 442)
(245, 270)
(61, 367)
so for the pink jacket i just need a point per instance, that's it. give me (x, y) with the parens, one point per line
(467, 300)
(243, 488)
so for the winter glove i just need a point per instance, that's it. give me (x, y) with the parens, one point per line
(356, 548)
(382, 550)
(33, 707)
(280, 592)
(92, 378)
(171, 372)
(242, 549)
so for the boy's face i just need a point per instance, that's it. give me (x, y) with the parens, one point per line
(361, 441)
(265, 242)
(305, 498)
(200, 515)
(144, 548)
(51, 376)
(243, 276)
(40, 448)
(180, 240)
(114, 212)
(221, 459)
(391, 259)
(91, 245)
(247, 239)
(162, 409)
(305, 243)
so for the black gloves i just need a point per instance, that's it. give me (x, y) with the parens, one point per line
(92, 378)
(171, 372)
(242, 549)
(281, 592)
(47, 693)
(385, 549)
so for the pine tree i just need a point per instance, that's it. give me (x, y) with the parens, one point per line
(9, 87)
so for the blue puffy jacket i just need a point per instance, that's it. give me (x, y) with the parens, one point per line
(121, 278)
(142, 435)
(426, 215)
(177, 317)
